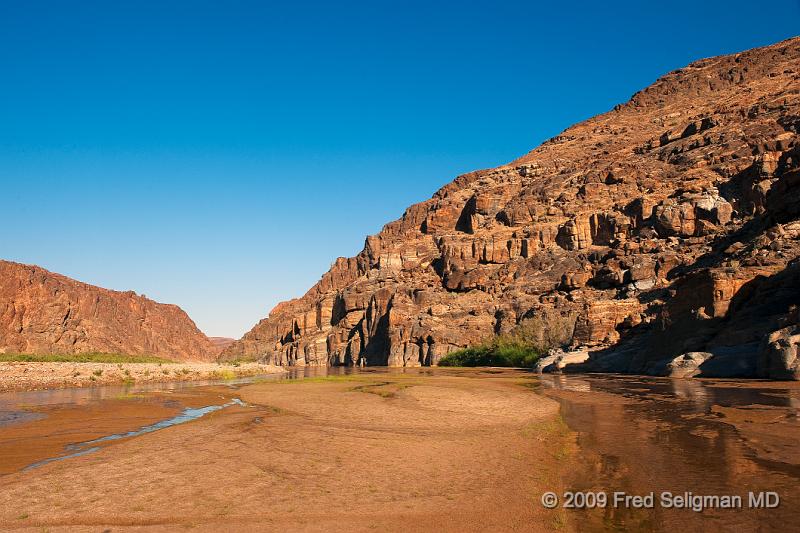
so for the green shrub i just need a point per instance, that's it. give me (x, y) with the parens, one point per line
(94, 357)
(494, 354)
(223, 374)
(522, 347)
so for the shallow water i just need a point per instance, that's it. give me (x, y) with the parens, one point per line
(44, 426)
(704, 437)
(40, 427)
(83, 448)
(634, 435)
(14, 404)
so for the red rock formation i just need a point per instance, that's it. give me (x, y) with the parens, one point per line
(220, 343)
(42, 312)
(638, 222)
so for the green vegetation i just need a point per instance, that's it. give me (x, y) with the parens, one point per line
(384, 389)
(315, 379)
(522, 347)
(494, 354)
(376, 388)
(237, 362)
(551, 427)
(81, 358)
(130, 396)
(224, 374)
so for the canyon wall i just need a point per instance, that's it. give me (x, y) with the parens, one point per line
(665, 227)
(46, 313)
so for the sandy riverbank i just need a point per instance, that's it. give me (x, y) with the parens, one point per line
(396, 452)
(18, 376)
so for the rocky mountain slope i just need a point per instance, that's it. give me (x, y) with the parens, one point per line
(43, 312)
(660, 237)
(220, 343)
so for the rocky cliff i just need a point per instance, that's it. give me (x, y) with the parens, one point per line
(662, 237)
(43, 312)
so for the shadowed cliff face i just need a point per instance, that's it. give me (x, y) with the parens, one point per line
(652, 227)
(42, 312)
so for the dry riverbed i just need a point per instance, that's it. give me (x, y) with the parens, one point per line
(396, 450)
(17, 376)
(460, 451)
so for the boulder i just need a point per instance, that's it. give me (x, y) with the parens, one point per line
(778, 356)
(557, 359)
(687, 365)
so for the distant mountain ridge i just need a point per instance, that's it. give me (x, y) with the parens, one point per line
(221, 342)
(42, 312)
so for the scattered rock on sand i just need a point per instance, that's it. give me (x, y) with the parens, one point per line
(33, 376)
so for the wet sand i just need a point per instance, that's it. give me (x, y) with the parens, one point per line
(454, 451)
(21, 376)
(393, 450)
(707, 437)
(45, 433)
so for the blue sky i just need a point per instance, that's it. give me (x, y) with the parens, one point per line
(220, 155)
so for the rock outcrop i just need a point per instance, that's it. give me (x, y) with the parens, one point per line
(42, 312)
(665, 227)
(220, 343)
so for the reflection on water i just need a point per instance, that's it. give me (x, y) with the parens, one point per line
(639, 435)
(39, 427)
(90, 446)
(635, 434)
(9, 416)
(62, 457)
(82, 395)
(14, 405)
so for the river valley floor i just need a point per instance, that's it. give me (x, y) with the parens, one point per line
(394, 450)
(341, 453)
(22, 376)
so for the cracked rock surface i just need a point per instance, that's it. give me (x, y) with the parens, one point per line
(667, 226)
(42, 312)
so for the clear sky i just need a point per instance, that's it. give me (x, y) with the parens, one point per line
(220, 155)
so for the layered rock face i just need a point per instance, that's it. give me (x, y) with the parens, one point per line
(668, 226)
(220, 343)
(42, 312)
